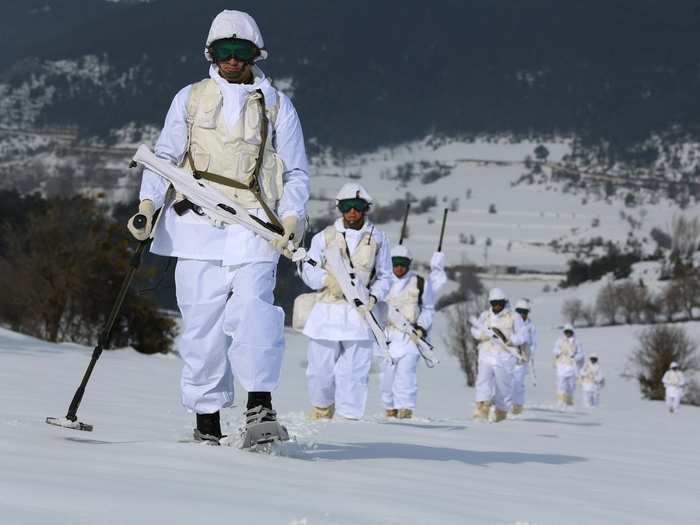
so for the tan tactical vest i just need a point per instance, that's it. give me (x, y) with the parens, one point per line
(505, 323)
(233, 153)
(361, 261)
(408, 301)
(567, 351)
(589, 374)
(674, 378)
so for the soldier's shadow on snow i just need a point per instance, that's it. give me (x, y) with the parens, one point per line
(358, 451)
(427, 426)
(557, 422)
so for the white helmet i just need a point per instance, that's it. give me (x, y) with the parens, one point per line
(568, 327)
(496, 294)
(352, 190)
(523, 304)
(235, 24)
(593, 356)
(400, 250)
(674, 365)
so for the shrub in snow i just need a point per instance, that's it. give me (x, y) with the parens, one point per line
(607, 304)
(572, 310)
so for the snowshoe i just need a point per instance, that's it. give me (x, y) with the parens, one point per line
(262, 427)
(208, 429)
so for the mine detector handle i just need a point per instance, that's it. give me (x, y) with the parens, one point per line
(442, 229)
(139, 221)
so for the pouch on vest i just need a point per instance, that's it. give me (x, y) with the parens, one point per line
(303, 305)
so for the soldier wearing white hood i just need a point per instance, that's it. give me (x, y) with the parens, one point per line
(341, 343)
(674, 382)
(225, 276)
(527, 351)
(495, 375)
(411, 298)
(568, 359)
(592, 381)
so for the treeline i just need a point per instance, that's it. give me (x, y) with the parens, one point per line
(61, 265)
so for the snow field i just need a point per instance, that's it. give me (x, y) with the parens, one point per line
(627, 462)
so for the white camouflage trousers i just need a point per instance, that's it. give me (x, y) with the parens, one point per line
(495, 378)
(398, 381)
(338, 372)
(591, 395)
(566, 381)
(229, 327)
(520, 371)
(673, 398)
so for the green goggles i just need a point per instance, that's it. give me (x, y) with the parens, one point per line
(243, 50)
(401, 261)
(349, 204)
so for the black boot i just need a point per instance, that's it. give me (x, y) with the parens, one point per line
(263, 399)
(208, 428)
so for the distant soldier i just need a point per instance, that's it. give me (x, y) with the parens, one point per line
(498, 331)
(592, 381)
(410, 298)
(674, 382)
(568, 359)
(527, 351)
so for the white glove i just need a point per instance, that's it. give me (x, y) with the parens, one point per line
(289, 223)
(437, 262)
(331, 284)
(146, 209)
(367, 307)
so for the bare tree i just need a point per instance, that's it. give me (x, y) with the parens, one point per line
(572, 310)
(659, 346)
(459, 339)
(684, 290)
(589, 315)
(633, 301)
(685, 234)
(607, 303)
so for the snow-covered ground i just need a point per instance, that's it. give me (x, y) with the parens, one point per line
(630, 461)
(526, 219)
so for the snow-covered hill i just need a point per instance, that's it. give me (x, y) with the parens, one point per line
(523, 225)
(629, 462)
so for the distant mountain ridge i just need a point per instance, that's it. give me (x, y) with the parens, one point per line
(372, 73)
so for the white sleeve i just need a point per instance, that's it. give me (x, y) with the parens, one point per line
(437, 276)
(382, 270)
(533, 340)
(478, 333)
(579, 357)
(664, 379)
(557, 348)
(289, 143)
(313, 276)
(520, 335)
(427, 311)
(171, 146)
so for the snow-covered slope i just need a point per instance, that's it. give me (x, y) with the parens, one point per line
(627, 462)
(524, 219)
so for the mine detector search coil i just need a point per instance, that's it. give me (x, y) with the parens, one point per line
(71, 419)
